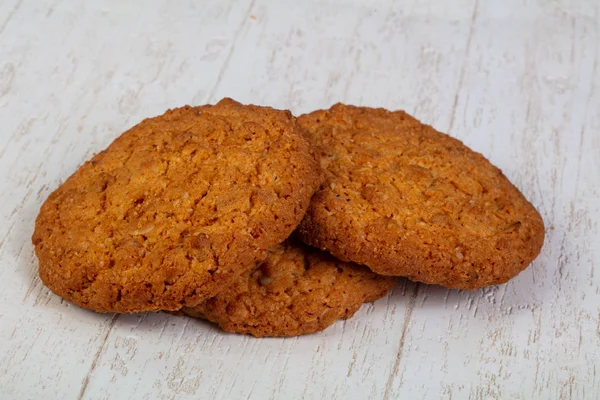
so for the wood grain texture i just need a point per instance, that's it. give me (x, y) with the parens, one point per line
(517, 80)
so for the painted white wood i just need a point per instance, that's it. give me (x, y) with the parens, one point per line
(517, 80)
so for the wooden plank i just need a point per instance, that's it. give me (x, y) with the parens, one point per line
(517, 80)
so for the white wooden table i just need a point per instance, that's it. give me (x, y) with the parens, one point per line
(518, 80)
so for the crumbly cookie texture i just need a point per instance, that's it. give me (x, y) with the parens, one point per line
(176, 208)
(297, 290)
(407, 200)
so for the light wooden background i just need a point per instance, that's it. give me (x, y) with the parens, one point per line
(517, 80)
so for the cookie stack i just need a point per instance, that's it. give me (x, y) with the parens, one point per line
(272, 225)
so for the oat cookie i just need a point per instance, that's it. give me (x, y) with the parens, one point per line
(407, 200)
(176, 208)
(297, 290)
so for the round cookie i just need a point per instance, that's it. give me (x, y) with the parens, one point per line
(176, 208)
(295, 291)
(407, 200)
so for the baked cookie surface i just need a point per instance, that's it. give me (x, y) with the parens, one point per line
(297, 290)
(407, 200)
(175, 208)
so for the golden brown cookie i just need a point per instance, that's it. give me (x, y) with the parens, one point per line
(176, 208)
(407, 200)
(297, 290)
